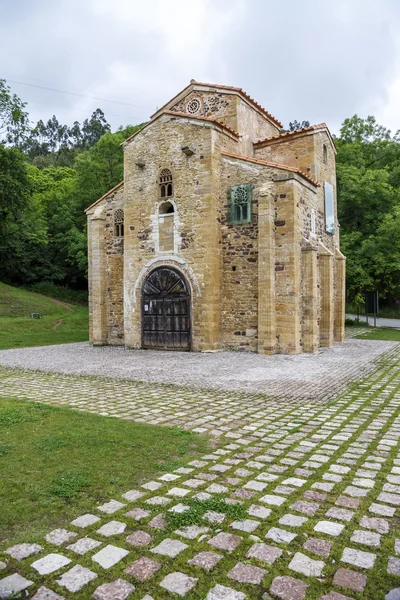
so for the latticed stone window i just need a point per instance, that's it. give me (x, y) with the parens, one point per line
(193, 106)
(119, 223)
(240, 198)
(165, 184)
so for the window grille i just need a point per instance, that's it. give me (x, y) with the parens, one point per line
(165, 184)
(325, 154)
(329, 208)
(193, 106)
(119, 223)
(240, 197)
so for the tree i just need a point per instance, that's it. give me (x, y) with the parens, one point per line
(14, 121)
(294, 125)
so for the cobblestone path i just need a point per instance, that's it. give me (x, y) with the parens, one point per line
(300, 500)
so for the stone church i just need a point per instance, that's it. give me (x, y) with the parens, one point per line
(223, 234)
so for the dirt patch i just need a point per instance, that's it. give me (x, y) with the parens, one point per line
(57, 324)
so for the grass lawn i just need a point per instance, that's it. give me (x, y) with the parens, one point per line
(60, 323)
(381, 333)
(57, 463)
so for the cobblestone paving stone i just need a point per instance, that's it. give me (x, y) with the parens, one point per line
(322, 527)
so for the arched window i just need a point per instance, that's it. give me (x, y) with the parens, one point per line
(165, 184)
(119, 223)
(166, 208)
(325, 154)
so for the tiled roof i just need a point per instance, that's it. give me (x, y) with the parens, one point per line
(231, 89)
(186, 116)
(283, 136)
(105, 196)
(268, 163)
(201, 118)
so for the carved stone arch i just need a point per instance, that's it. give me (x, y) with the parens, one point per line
(166, 310)
(175, 262)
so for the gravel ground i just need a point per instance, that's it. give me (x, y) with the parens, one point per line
(302, 375)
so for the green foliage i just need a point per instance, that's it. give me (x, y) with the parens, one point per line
(197, 509)
(14, 121)
(63, 293)
(58, 463)
(368, 173)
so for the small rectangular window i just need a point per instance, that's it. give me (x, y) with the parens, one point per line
(240, 198)
(313, 223)
(329, 208)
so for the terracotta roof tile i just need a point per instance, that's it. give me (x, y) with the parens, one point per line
(268, 163)
(201, 118)
(283, 136)
(186, 116)
(104, 196)
(232, 89)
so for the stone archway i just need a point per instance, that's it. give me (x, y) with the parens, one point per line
(166, 301)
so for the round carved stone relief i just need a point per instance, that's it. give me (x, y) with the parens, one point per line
(193, 106)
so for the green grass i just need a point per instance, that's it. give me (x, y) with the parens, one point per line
(60, 323)
(381, 333)
(57, 463)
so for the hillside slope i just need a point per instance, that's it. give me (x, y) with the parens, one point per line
(59, 322)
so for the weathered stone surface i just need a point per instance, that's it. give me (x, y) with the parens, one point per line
(169, 547)
(143, 568)
(76, 578)
(348, 502)
(111, 507)
(292, 520)
(248, 525)
(214, 517)
(85, 520)
(139, 538)
(318, 546)
(133, 495)
(368, 538)
(13, 584)
(50, 563)
(45, 593)
(394, 566)
(380, 525)
(246, 573)
(304, 507)
(109, 556)
(358, 558)
(393, 594)
(305, 565)
(273, 500)
(84, 545)
(21, 551)
(178, 583)
(329, 527)
(288, 588)
(205, 560)
(225, 541)
(340, 513)
(138, 514)
(112, 528)
(352, 580)
(259, 511)
(60, 536)
(221, 592)
(191, 532)
(158, 522)
(381, 509)
(116, 590)
(280, 535)
(334, 596)
(264, 553)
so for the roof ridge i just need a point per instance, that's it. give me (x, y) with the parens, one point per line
(105, 195)
(292, 133)
(200, 118)
(225, 87)
(273, 164)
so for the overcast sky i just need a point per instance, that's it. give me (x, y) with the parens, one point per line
(300, 59)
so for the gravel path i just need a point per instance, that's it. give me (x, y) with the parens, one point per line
(302, 375)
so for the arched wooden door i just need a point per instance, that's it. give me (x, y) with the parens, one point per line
(165, 311)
